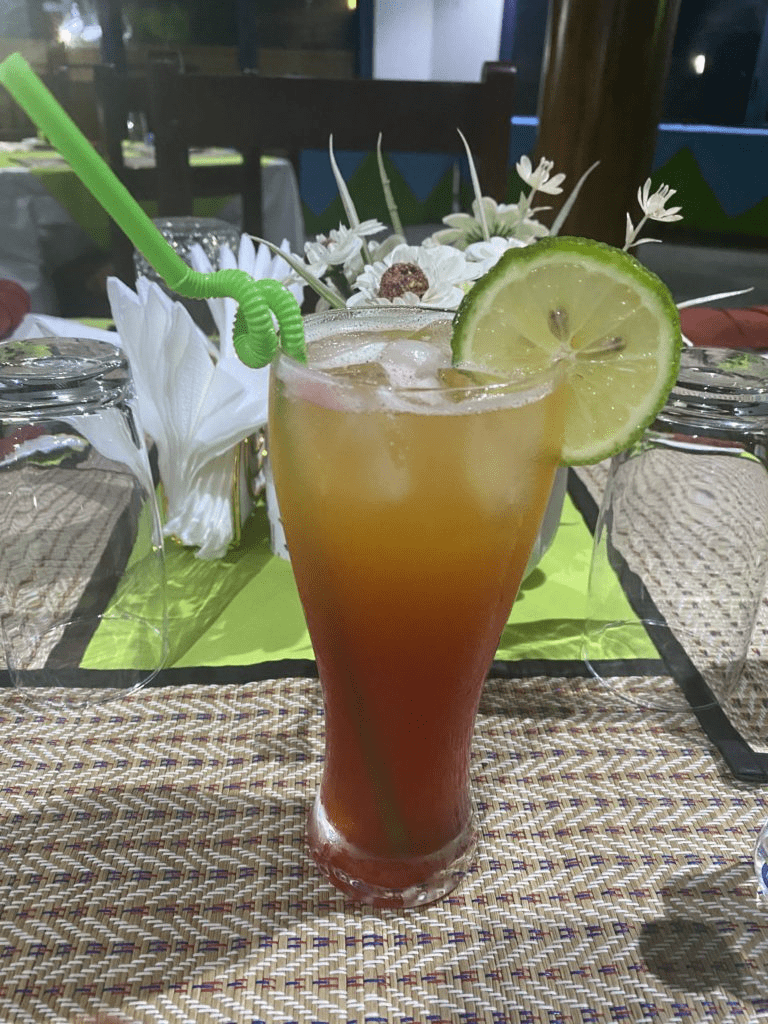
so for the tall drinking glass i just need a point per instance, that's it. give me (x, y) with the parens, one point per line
(411, 496)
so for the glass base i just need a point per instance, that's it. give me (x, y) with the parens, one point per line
(388, 881)
(627, 640)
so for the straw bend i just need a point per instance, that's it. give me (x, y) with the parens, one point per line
(254, 335)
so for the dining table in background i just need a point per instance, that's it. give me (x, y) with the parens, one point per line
(153, 865)
(50, 220)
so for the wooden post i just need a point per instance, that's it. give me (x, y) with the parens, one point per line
(603, 77)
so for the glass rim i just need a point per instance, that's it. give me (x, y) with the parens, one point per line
(711, 375)
(532, 380)
(48, 377)
(718, 392)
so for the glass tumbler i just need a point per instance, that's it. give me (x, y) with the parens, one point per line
(82, 588)
(410, 513)
(181, 233)
(680, 555)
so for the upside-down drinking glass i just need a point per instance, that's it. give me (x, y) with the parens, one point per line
(82, 588)
(411, 497)
(680, 558)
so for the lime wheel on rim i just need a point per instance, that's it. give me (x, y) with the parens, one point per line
(609, 321)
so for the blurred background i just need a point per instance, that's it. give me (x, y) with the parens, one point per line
(716, 75)
(712, 132)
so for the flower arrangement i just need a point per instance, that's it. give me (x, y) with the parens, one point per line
(196, 399)
(347, 267)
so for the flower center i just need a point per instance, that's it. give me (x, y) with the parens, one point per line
(401, 278)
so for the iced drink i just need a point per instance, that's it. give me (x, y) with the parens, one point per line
(411, 493)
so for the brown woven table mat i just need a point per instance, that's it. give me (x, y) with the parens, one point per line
(153, 869)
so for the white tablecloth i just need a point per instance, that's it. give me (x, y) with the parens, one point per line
(37, 235)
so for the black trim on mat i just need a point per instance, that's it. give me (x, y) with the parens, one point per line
(200, 675)
(621, 667)
(237, 675)
(306, 668)
(745, 763)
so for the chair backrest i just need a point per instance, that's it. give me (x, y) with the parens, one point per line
(119, 94)
(76, 97)
(258, 115)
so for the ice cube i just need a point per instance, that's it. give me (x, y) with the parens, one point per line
(412, 364)
(462, 384)
(331, 352)
(437, 333)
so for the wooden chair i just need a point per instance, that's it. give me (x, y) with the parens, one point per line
(258, 115)
(117, 95)
(76, 97)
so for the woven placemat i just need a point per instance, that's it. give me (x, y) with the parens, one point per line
(153, 869)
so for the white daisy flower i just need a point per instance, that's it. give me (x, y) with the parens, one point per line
(340, 247)
(503, 220)
(427, 275)
(376, 251)
(486, 254)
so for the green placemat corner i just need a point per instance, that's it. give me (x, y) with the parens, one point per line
(244, 609)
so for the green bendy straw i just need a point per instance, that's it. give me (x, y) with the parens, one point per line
(254, 335)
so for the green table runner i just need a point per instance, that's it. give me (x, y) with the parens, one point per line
(244, 609)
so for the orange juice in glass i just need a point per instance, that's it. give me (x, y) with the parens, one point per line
(411, 496)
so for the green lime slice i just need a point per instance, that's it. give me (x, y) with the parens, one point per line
(611, 323)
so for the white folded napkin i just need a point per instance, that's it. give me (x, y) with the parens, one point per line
(196, 408)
